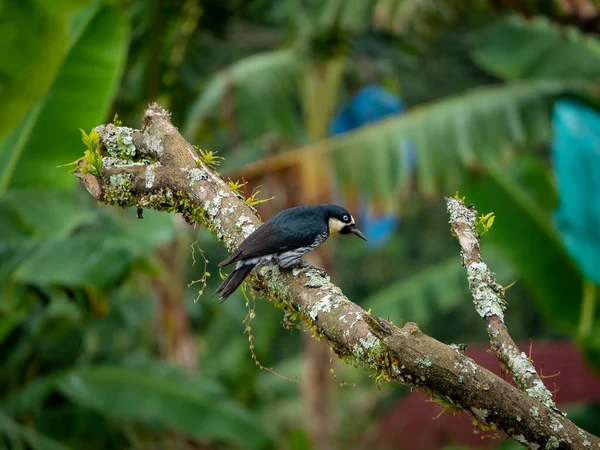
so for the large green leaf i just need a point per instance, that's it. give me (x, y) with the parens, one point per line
(43, 213)
(438, 289)
(450, 135)
(84, 260)
(410, 299)
(29, 217)
(73, 244)
(11, 147)
(265, 88)
(141, 395)
(33, 41)
(79, 98)
(524, 234)
(515, 48)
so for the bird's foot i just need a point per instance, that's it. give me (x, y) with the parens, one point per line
(304, 267)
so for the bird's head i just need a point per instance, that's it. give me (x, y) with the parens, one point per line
(341, 221)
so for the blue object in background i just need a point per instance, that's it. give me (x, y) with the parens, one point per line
(370, 104)
(576, 163)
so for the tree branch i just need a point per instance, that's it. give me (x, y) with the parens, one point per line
(488, 298)
(168, 174)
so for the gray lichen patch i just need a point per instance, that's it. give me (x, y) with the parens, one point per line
(459, 348)
(521, 440)
(540, 393)
(552, 443)
(327, 303)
(458, 212)
(119, 187)
(555, 425)
(480, 413)
(151, 175)
(245, 225)
(195, 174)
(149, 145)
(423, 362)
(586, 441)
(213, 207)
(523, 370)
(230, 209)
(366, 346)
(118, 141)
(117, 163)
(315, 279)
(471, 364)
(481, 284)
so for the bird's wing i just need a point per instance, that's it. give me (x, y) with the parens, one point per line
(265, 241)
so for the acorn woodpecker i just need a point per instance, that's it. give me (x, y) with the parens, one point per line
(284, 239)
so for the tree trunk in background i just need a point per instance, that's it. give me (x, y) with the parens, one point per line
(317, 382)
(174, 324)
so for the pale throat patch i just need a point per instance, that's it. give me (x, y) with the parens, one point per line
(336, 225)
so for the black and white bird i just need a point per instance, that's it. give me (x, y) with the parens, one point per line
(284, 239)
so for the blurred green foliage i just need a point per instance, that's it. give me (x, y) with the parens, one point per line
(88, 294)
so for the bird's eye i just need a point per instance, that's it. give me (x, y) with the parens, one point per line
(346, 218)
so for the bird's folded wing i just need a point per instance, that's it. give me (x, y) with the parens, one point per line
(269, 239)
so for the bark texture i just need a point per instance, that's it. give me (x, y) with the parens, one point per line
(156, 168)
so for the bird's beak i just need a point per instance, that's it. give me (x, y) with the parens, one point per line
(357, 232)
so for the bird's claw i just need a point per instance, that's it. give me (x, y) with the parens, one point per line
(304, 267)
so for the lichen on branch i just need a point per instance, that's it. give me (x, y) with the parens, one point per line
(488, 298)
(168, 174)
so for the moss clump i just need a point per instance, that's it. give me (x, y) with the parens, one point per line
(119, 193)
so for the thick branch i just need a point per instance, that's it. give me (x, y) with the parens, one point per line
(168, 174)
(488, 298)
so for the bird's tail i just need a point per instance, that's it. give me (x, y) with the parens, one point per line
(233, 280)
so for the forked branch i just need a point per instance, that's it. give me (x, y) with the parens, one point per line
(156, 168)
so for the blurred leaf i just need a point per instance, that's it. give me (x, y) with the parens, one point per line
(524, 235)
(18, 434)
(449, 135)
(143, 236)
(32, 41)
(8, 323)
(32, 396)
(79, 98)
(515, 48)
(85, 260)
(13, 144)
(265, 91)
(590, 346)
(44, 213)
(441, 288)
(28, 217)
(586, 416)
(339, 14)
(410, 299)
(143, 395)
(12, 253)
(58, 331)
